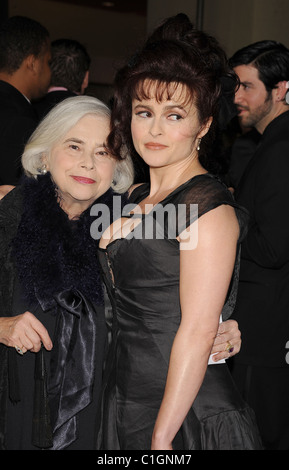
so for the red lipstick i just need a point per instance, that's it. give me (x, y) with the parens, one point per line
(83, 180)
(155, 146)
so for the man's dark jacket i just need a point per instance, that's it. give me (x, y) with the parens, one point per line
(262, 307)
(51, 99)
(17, 122)
(10, 216)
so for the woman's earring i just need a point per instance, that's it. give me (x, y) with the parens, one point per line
(43, 170)
(199, 145)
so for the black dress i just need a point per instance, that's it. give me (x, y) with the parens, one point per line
(142, 278)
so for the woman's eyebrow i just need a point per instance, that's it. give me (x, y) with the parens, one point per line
(174, 106)
(171, 106)
(74, 139)
(142, 106)
(79, 141)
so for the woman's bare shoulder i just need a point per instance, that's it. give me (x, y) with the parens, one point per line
(5, 189)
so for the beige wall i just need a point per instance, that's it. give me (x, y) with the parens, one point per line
(107, 36)
(237, 23)
(160, 9)
(111, 37)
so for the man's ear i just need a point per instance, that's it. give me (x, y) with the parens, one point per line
(31, 63)
(85, 82)
(281, 90)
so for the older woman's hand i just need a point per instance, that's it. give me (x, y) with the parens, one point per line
(228, 337)
(24, 332)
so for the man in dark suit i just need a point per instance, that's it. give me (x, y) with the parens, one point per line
(261, 370)
(70, 64)
(241, 152)
(24, 76)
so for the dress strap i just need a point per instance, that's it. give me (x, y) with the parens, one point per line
(139, 193)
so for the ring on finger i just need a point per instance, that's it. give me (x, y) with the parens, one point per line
(19, 350)
(229, 347)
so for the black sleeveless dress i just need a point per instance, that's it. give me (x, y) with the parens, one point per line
(141, 273)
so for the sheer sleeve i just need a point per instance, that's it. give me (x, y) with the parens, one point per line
(205, 193)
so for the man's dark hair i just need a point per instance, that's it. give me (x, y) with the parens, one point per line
(20, 37)
(69, 64)
(270, 58)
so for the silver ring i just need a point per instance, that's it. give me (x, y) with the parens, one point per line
(19, 350)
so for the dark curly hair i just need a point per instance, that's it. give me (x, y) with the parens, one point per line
(174, 54)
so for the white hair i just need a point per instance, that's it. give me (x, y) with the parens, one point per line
(56, 124)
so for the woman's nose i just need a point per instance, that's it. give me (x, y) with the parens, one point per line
(88, 161)
(155, 128)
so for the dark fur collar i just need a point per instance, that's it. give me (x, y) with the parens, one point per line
(52, 252)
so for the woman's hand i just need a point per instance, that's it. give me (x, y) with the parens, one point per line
(228, 334)
(24, 332)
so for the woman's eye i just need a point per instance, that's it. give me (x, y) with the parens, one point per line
(175, 117)
(143, 114)
(103, 153)
(74, 147)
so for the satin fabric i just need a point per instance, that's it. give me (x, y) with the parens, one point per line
(226, 421)
(72, 363)
(142, 276)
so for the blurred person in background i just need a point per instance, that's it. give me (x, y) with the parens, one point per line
(24, 77)
(260, 370)
(70, 64)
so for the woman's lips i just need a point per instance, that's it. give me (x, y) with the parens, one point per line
(83, 180)
(155, 146)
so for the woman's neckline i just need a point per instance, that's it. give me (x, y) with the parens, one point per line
(147, 185)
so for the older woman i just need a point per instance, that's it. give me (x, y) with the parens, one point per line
(52, 324)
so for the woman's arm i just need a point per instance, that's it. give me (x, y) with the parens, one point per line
(205, 275)
(4, 189)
